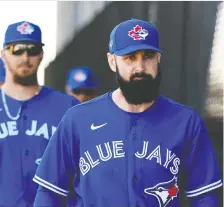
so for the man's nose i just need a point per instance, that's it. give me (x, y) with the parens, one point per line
(25, 56)
(139, 65)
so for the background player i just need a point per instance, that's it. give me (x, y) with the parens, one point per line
(133, 146)
(81, 84)
(29, 114)
(2, 72)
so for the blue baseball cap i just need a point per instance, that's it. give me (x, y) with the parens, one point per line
(2, 71)
(80, 77)
(132, 35)
(23, 31)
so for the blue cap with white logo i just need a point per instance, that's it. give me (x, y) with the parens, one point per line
(23, 31)
(2, 71)
(132, 35)
(80, 77)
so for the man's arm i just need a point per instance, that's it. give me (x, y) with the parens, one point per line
(47, 198)
(202, 173)
(208, 199)
(56, 171)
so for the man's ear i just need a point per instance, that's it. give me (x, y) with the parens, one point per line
(159, 57)
(2, 54)
(41, 55)
(111, 61)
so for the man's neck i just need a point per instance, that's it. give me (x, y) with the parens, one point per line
(121, 102)
(20, 92)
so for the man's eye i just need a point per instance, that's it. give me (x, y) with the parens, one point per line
(149, 55)
(131, 57)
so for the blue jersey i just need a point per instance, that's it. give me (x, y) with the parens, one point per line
(113, 158)
(23, 141)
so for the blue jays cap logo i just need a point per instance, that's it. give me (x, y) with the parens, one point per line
(138, 33)
(25, 28)
(164, 192)
(80, 76)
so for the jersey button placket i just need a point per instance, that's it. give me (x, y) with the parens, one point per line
(26, 153)
(24, 106)
(134, 122)
(134, 179)
(134, 138)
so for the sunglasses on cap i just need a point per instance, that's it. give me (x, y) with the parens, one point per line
(19, 49)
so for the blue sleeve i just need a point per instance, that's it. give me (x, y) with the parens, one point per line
(209, 199)
(202, 173)
(57, 170)
(47, 198)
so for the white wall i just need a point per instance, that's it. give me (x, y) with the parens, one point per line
(214, 103)
(72, 16)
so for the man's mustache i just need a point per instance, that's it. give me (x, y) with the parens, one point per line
(141, 75)
(25, 65)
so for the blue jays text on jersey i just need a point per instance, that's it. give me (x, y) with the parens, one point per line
(23, 141)
(115, 149)
(110, 157)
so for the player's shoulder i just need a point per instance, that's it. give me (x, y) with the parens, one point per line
(96, 101)
(93, 105)
(53, 92)
(176, 108)
(58, 95)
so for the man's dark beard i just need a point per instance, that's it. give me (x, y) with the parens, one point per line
(29, 80)
(140, 91)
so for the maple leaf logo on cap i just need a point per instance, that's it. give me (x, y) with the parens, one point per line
(80, 76)
(138, 33)
(25, 28)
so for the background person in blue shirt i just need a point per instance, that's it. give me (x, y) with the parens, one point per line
(29, 114)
